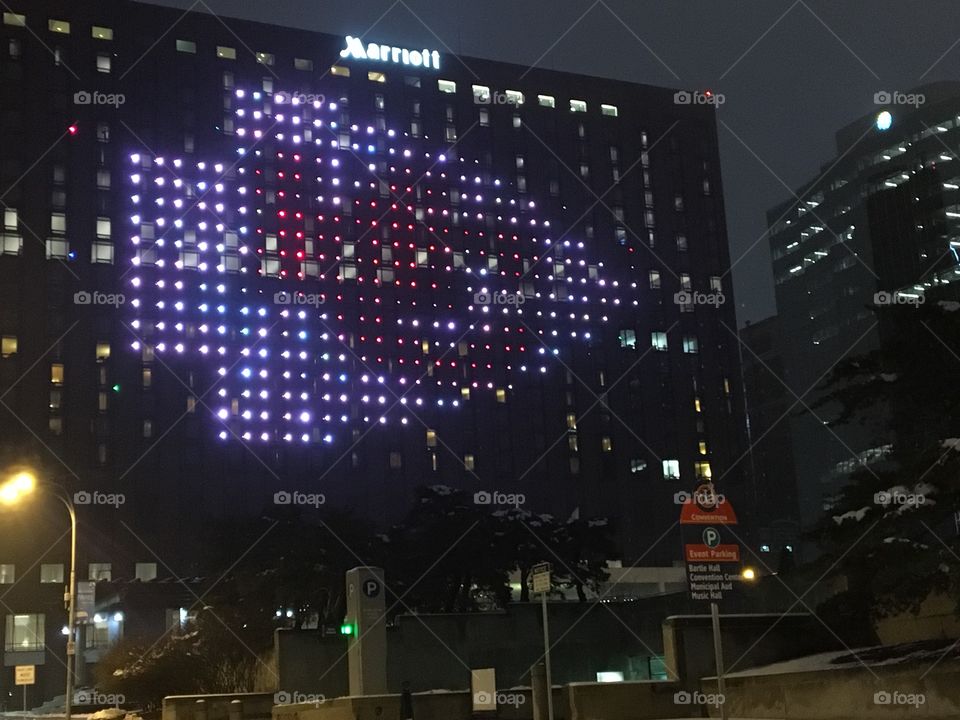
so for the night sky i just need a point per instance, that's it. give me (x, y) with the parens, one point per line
(792, 72)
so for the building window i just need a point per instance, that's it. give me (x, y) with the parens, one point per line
(58, 223)
(431, 438)
(658, 340)
(303, 64)
(578, 106)
(481, 94)
(103, 63)
(671, 469)
(340, 71)
(501, 395)
(99, 571)
(690, 345)
(226, 53)
(59, 26)
(98, 633)
(654, 279)
(51, 573)
(24, 633)
(55, 425)
(702, 447)
(411, 81)
(8, 345)
(468, 462)
(146, 571)
(606, 444)
(103, 179)
(148, 428)
(515, 97)
(446, 86)
(484, 117)
(103, 227)
(681, 243)
(571, 421)
(685, 282)
(56, 373)
(14, 19)
(609, 110)
(101, 252)
(716, 283)
(103, 350)
(187, 46)
(265, 58)
(101, 33)
(637, 465)
(7, 573)
(450, 133)
(628, 339)
(703, 470)
(546, 101)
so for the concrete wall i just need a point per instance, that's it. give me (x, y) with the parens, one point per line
(624, 701)
(836, 694)
(244, 706)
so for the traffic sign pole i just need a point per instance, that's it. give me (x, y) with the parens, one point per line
(546, 657)
(718, 658)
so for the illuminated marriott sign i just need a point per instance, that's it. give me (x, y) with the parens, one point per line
(387, 53)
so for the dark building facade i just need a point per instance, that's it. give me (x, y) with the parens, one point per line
(252, 266)
(879, 226)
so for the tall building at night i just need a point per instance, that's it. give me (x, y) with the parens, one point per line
(241, 263)
(880, 225)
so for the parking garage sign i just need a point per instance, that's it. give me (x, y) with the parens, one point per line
(711, 552)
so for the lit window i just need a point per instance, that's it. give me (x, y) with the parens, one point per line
(685, 282)
(101, 252)
(99, 571)
(501, 395)
(10, 218)
(191, 404)
(571, 421)
(103, 179)
(8, 345)
(703, 470)
(7, 573)
(681, 242)
(690, 344)
(578, 106)
(226, 53)
(59, 26)
(654, 279)
(468, 462)
(702, 447)
(187, 46)
(446, 86)
(103, 350)
(609, 110)
(696, 405)
(546, 101)
(147, 377)
(637, 465)
(58, 223)
(57, 249)
(671, 469)
(101, 33)
(658, 340)
(431, 438)
(716, 283)
(484, 117)
(103, 227)
(606, 444)
(14, 19)
(148, 428)
(24, 633)
(56, 373)
(265, 58)
(514, 97)
(481, 94)
(51, 573)
(374, 76)
(340, 71)
(628, 339)
(302, 64)
(465, 393)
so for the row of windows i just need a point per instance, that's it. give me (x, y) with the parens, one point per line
(25, 632)
(97, 32)
(54, 572)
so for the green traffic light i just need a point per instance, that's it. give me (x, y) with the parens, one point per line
(346, 629)
(116, 388)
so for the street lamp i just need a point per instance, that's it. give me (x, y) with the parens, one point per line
(748, 574)
(17, 486)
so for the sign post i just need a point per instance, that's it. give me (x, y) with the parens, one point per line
(540, 575)
(713, 563)
(25, 675)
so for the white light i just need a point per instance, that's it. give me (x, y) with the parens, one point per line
(884, 120)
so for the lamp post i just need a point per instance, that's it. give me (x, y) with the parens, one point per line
(12, 491)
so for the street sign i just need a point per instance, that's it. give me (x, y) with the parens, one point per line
(710, 549)
(25, 674)
(540, 576)
(707, 507)
(371, 587)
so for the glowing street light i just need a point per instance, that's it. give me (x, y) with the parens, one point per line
(13, 490)
(748, 574)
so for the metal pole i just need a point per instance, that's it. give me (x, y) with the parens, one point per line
(24, 698)
(546, 657)
(718, 658)
(71, 609)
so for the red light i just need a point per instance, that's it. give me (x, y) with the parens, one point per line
(73, 129)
